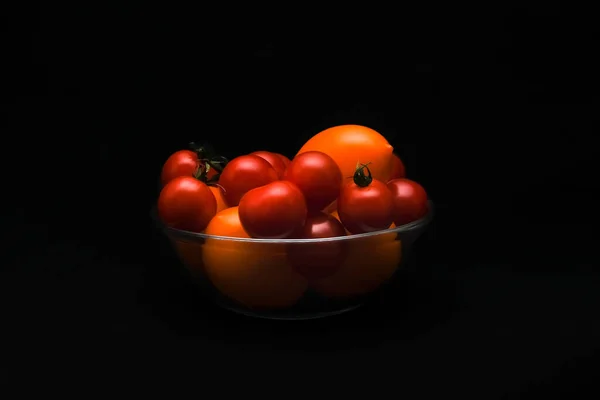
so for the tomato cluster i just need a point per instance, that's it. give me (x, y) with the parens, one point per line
(280, 198)
(346, 180)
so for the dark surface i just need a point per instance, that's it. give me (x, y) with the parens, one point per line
(495, 116)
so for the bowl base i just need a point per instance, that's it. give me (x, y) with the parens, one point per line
(290, 316)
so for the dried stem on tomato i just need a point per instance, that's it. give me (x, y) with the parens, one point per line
(208, 160)
(360, 178)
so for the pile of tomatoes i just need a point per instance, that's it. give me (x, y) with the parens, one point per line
(345, 180)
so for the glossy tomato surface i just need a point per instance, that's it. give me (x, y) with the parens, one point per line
(409, 201)
(276, 162)
(365, 209)
(186, 203)
(180, 163)
(320, 259)
(273, 211)
(318, 177)
(245, 173)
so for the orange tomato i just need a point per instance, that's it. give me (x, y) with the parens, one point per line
(349, 145)
(257, 275)
(218, 192)
(369, 263)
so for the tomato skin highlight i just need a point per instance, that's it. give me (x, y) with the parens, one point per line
(180, 163)
(320, 259)
(409, 201)
(273, 211)
(276, 162)
(243, 174)
(186, 203)
(365, 209)
(398, 169)
(318, 176)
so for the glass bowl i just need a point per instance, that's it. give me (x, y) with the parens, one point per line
(294, 278)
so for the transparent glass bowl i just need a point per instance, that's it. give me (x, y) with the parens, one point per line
(294, 278)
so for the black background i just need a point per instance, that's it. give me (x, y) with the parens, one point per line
(493, 109)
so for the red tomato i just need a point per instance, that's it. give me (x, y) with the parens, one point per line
(365, 204)
(283, 158)
(321, 259)
(186, 203)
(409, 201)
(273, 159)
(273, 211)
(398, 170)
(318, 177)
(182, 163)
(245, 173)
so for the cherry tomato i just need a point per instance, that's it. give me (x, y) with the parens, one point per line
(409, 201)
(244, 173)
(273, 211)
(182, 163)
(365, 204)
(186, 203)
(318, 177)
(398, 170)
(283, 158)
(273, 159)
(321, 259)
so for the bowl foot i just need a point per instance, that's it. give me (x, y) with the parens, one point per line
(282, 315)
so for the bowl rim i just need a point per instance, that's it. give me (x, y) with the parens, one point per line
(411, 226)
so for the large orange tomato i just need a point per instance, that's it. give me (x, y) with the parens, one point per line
(350, 145)
(257, 275)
